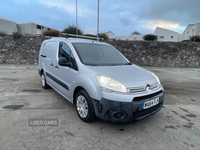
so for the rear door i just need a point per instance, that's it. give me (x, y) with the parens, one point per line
(65, 75)
(51, 49)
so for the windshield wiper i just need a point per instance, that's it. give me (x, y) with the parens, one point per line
(92, 64)
(129, 63)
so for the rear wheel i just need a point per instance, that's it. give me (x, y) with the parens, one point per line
(84, 106)
(43, 81)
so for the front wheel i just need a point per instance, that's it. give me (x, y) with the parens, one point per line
(84, 106)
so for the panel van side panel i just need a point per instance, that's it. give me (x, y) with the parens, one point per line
(48, 62)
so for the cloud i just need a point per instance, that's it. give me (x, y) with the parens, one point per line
(183, 12)
(161, 23)
(90, 30)
(69, 7)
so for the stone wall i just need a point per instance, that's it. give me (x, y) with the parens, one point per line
(175, 54)
(20, 51)
(171, 54)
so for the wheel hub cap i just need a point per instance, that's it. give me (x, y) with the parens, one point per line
(82, 106)
(43, 80)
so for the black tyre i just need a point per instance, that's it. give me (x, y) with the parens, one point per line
(84, 106)
(43, 81)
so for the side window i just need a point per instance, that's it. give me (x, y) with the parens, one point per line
(64, 51)
(72, 60)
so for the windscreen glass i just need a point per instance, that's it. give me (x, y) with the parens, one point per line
(99, 54)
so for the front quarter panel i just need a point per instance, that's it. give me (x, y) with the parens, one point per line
(89, 83)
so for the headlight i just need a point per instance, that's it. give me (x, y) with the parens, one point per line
(109, 84)
(156, 78)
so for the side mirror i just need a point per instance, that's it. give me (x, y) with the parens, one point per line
(63, 62)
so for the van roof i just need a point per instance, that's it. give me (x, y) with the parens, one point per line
(74, 40)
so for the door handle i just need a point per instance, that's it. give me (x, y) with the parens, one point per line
(43, 56)
(56, 67)
(51, 65)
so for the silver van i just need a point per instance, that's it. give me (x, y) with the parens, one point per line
(99, 80)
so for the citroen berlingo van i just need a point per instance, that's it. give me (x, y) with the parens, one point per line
(99, 80)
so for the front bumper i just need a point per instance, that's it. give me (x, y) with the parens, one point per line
(126, 112)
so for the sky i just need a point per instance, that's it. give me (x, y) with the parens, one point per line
(122, 17)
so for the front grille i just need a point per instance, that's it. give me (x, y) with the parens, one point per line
(144, 88)
(146, 111)
(147, 96)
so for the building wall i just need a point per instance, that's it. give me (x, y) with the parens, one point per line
(110, 34)
(31, 28)
(192, 30)
(198, 29)
(138, 37)
(166, 35)
(26, 28)
(181, 37)
(7, 26)
(122, 38)
(189, 32)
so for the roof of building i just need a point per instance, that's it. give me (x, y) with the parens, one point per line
(166, 30)
(8, 20)
(110, 31)
(189, 26)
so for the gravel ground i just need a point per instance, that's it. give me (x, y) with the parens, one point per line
(176, 126)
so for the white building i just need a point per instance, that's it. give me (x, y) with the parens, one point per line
(132, 37)
(7, 26)
(136, 37)
(31, 28)
(191, 30)
(111, 35)
(168, 35)
(122, 38)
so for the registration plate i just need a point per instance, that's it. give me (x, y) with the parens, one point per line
(150, 103)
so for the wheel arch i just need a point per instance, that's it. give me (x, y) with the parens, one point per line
(76, 90)
(41, 71)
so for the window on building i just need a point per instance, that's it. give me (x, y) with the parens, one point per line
(161, 37)
(39, 29)
(188, 33)
(192, 31)
(172, 36)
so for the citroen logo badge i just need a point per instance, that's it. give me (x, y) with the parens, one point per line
(146, 87)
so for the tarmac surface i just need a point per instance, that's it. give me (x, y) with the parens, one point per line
(176, 126)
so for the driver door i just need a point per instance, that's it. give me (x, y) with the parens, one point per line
(65, 75)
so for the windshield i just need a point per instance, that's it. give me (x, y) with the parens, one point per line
(99, 54)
